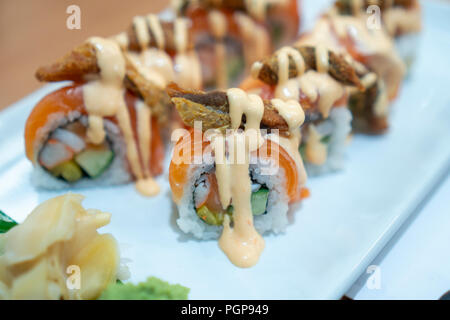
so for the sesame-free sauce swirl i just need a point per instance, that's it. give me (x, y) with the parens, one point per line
(322, 59)
(218, 24)
(242, 244)
(152, 60)
(156, 28)
(255, 36)
(187, 65)
(288, 89)
(104, 97)
(142, 34)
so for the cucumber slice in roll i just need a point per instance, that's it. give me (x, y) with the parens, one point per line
(258, 201)
(94, 161)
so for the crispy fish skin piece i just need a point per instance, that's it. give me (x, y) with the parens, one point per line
(140, 85)
(73, 66)
(339, 69)
(81, 62)
(212, 109)
(346, 6)
(362, 105)
(168, 29)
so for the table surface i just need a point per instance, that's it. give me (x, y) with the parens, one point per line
(33, 33)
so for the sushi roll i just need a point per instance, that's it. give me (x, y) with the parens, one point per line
(401, 19)
(373, 55)
(212, 188)
(162, 51)
(104, 129)
(230, 35)
(281, 18)
(320, 80)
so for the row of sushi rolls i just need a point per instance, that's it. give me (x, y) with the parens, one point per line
(247, 105)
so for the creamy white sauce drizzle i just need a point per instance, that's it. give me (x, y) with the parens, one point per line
(256, 39)
(256, 69)
(288, 89)
(156, 28)
(142, 34)
(376, 46)
(105, 97)
(369, 79)
(322, 63)
(293, 114)
(122, 40)
(187, 66)
(144, 129)
(218, 24)
(241, 243)
(154, 63)
(290, 111)
(321, 88)
(283, 56)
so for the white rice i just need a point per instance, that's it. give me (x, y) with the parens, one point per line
(275, 220)
(339, 124)
(117, 173)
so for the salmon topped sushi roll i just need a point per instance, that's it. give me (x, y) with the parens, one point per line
(321, 81)
(162, 51)
(373, 54)
(102, 130)
(230, 35)
(282, 18)
(235, 178)
(400, 18)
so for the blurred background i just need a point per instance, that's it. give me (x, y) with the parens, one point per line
(34, 32)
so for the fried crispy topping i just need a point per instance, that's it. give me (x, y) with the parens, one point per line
(81, 63)
(212, 109)
(339, 68)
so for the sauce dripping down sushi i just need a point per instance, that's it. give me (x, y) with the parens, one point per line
(241, 243)
(104, 97)
(155, 54)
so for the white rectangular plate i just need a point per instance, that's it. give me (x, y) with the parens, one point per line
(336, 234)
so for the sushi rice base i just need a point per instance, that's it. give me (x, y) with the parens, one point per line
(275, 220)
(340, 120)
